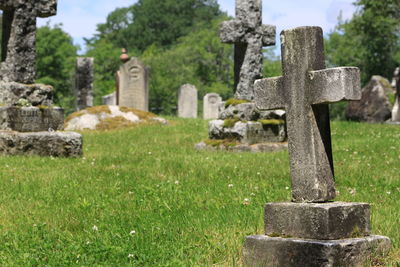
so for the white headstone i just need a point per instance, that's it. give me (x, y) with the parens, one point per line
(211, 103)
(110, 100)
(187, 101)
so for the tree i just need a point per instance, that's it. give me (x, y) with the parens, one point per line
(56, 55)
(369, 40)
(155, 22)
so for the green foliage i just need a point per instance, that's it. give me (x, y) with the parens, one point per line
(56, 56)
(198, 58)
(156, 22)
(369, 40)
(169, 211)
(272, 63)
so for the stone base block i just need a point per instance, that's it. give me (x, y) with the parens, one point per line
(31, 119)
(56, 144)
(327, 221)
(255, 148)
(265, 251)
(249, 132)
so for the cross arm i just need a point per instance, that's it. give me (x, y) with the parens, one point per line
(268, 33)
(269, 93)
(232, 31)
(334, 85)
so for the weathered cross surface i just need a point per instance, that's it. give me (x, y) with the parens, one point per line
(304, 91)
(249, 35)
(19, 37)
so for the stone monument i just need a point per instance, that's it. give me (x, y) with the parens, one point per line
(211, 104)
(239, 120)
(29, 123)
(187, 101)
(110, 99)
(132, 83)
(84, 82)
(396, 87)
(311, 230)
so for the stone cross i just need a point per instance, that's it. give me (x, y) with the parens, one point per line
(84, 82)
(249, 35)
(396, 86)
(19, 37)
(304, 91)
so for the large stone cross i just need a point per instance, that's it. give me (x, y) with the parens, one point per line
(19, 37)
(304, 91)
(249, 35)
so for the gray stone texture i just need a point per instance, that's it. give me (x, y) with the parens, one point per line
(255, 148)
(187, 101)
(251, 132)
(56, 144)
(110, 100)
(265, 251)
(31, 119)
(304, 92)
(36, 94)
(249, 36)
(211, 104)
(374, 105)
(396, 87)
(249, 112)
(84, 82)
(133, 85)
(324, 221)
(19, 37)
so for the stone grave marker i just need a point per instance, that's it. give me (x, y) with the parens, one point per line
(211, 104)
(396, 86)
(84, 82)
(132, 84)
(28, 120)
(187, 101)
(249, 35)
(311, 230)
(110, 99)
(252, 130)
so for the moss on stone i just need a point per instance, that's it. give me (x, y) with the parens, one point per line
(229, 123)
(223, 142)
(234, 102)
(143, 115)
(271, 122)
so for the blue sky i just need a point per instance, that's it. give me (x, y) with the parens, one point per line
(79, 17)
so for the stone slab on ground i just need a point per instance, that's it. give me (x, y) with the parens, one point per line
(263, 147)
(31, 119)
(265, 251)
(56, 144)
(324, 221)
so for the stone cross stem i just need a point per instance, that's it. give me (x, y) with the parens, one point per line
(249, 36)
(19, 37)
(304, 91)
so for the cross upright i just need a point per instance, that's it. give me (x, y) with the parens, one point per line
(304, 91)
(249, 35)
(19, 37)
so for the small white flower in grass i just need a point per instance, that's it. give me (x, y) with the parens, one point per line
(150, 153)
(252, 194)
(287, 187)
(352, 191)
(246, 201)
(388, 192)
(133, 232)
(130, 193)
(131, 255)
(95, 228)
(176, 182)
(256, 188)
(258, 173)
(230, 185)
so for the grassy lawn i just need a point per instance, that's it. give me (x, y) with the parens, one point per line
(144, 197)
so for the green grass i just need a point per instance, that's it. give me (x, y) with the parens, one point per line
(187, 207)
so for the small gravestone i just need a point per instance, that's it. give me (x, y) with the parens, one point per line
(374, 105)
(29, 123)
(396, 86)
(132, 83)
(110, 99)
(187, 101)
(211, 104)
(311, 230)
(84, 82)
(239, 121)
